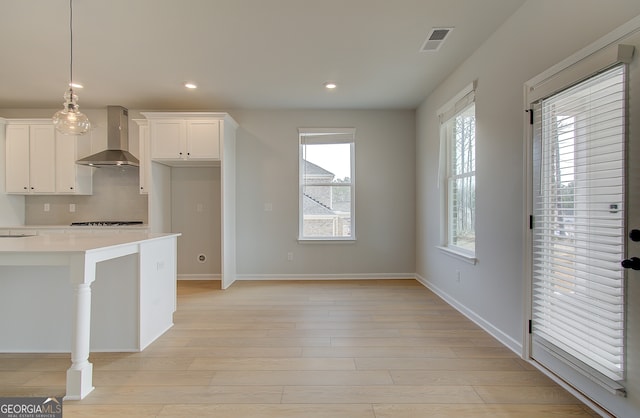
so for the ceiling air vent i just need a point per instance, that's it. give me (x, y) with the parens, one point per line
(435, 39)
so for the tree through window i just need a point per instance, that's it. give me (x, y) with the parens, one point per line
(462, 181)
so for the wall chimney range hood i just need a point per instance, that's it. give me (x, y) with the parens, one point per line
(117, 152)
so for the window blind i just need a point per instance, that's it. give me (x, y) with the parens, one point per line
(579, 230)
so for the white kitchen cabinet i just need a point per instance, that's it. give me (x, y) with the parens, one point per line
(203, 139)
(169, 140)
(30, 162)
(72, 178)
(40, 161)
(183, 139)
(145, 161)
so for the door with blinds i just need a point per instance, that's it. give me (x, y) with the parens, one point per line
(585, 203)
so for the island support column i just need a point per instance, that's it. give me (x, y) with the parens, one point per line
(80, 374)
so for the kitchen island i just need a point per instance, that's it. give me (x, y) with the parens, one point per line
(48, 284)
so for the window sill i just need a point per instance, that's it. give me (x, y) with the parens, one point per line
(467, 258)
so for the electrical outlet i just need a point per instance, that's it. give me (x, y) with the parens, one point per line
(289, 256)
(72, 207)
(47, 207)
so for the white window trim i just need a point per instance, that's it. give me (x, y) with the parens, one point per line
(461, 101)
(464, 98)
(459, 255)
(334, 136)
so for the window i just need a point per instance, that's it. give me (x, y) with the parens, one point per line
(458, 166)
(326, 184)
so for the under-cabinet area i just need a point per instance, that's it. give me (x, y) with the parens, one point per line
(196, 214)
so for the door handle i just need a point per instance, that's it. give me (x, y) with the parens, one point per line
(631, 263)
(634, 235)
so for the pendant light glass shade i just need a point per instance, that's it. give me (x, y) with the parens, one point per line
(69, 120)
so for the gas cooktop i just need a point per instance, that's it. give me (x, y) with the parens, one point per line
(106, 223)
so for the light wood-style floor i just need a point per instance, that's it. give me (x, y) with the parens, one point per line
(356, 349)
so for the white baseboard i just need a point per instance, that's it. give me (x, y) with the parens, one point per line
(505, 339)
(199, 277)
(358, 276)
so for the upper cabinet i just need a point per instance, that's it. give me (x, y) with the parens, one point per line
(187, 138)
(203, 139)
(196, 140)
(169, 139)
(40, 161)
(72, 178)
(145, 161)
(30, 163)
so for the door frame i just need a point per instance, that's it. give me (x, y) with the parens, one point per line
(599, 55)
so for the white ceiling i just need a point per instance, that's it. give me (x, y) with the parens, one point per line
(241, 53)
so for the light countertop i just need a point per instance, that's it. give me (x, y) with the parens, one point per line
(79, 227)
(74, 242)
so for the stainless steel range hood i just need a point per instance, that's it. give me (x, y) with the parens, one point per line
(117, 152)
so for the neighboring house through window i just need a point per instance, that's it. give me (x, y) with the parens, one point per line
(326, 184)
(458, 174)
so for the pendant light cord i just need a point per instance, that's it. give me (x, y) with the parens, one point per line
(71, 42)
(69, 120)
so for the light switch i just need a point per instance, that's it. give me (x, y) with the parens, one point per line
(72, 207)
(47, 207)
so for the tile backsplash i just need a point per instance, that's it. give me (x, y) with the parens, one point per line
(115, 197)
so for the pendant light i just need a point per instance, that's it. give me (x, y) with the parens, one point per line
(69, 120)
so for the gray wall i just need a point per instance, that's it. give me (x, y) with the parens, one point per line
(267, 169)
(195, 213)
(537, 36)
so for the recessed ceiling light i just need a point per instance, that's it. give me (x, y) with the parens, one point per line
(191, 85)
(330, 85)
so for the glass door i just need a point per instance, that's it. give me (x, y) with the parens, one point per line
(585, 283)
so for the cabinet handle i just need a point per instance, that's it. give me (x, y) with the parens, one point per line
(71, 188)
(26, 188)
